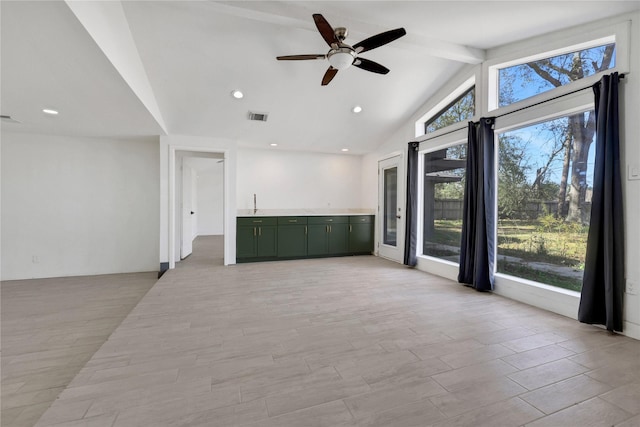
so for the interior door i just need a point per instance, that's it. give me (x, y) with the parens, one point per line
(391, 203)
(186, 235)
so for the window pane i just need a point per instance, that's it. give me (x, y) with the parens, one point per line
(526, 80)
(390, 221)
(443, 198)
(545, 179)
(463, 108)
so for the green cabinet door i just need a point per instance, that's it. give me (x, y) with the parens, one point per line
(267, 241)
(317, 239)
(246, 242)
(256, 237)
(292, 236)
(361, 234)
(338, 239)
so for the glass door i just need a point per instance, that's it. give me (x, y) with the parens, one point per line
(391, 204)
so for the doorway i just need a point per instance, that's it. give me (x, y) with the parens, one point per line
(391, 201)
(199, 196)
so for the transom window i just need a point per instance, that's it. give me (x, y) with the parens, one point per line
(461, 109)
(524, 80)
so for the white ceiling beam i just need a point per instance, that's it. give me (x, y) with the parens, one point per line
(295, 16)
(107, 24)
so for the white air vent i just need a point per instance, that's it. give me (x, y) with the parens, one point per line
(8, 119)
(260, 117)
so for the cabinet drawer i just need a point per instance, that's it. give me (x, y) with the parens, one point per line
(328, 220)
(260, 220)
(361, 219)
(292, 220)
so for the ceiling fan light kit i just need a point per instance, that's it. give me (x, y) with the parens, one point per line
(341, 56)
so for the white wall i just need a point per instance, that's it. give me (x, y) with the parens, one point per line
(78, 206)
(630, 129)
(210, 198)
(298, 180)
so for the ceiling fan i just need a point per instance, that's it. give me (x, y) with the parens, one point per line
(341, 55)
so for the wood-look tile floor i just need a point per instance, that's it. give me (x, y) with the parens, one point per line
(51, 328)
(354, 341)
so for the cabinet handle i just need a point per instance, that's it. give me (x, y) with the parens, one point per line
(254, 232)
(330, 220)
(329, 229)
(305, 230)
(349, 228)
(293, 220)
(257, 220)
(326, 228)
(259, 231)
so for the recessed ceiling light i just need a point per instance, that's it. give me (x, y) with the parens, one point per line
(357, 109)
(273, 144)
(345, 149)
(49, 111)
(237, 94)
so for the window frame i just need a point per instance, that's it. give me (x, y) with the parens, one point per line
(578, 102)
(447, 97)
(446, 108)
(618, 34)
(450, 139)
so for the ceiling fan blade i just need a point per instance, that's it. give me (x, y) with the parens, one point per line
(326, 30)
(368, 65)
(300, 57)
(329, 75)
(379, 40)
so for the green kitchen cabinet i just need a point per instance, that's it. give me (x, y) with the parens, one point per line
(361, 234)
(328, 235)
(292, 237)
(256, 238)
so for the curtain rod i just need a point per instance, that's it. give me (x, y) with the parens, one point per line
(620, 76)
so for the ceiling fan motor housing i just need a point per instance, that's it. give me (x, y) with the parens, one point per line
(341, 33)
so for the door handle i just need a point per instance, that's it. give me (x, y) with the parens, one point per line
(398, 216)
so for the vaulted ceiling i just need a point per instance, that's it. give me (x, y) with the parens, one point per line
(139, 68)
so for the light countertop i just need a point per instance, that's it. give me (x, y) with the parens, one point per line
(304, 212)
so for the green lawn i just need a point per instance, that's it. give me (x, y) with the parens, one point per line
(546, 240)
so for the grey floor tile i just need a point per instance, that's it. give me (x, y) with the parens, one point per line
(565, 393)
(360, 341)
(591, 413)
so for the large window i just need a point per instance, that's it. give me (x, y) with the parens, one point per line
(443, 188)
(545, 150)
(524, 80)
(544, 199)
(461, 109)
